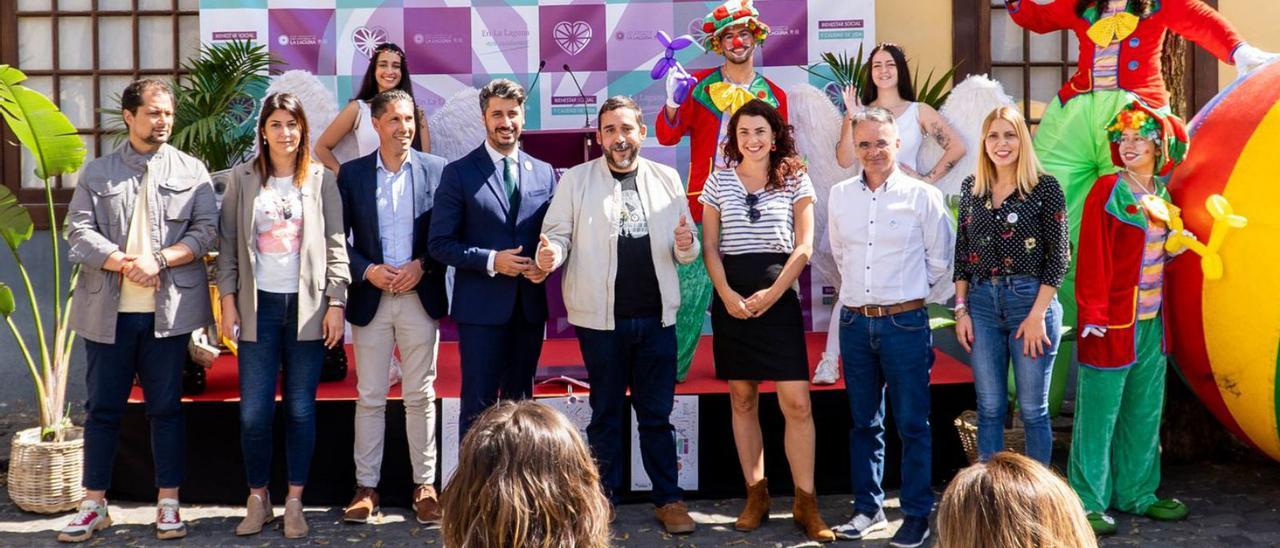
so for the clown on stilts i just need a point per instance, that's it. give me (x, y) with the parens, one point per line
(1120, 47)
(1124, 243)
(700, 105)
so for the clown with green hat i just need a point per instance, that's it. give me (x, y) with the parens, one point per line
(1115, 445)
(699, 105)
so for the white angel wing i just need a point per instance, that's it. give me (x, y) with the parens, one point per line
(816, 124)
(457, 128)
(317, 101)
(969, 104)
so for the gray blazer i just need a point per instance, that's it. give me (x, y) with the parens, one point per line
(183, 210)
(324, 272)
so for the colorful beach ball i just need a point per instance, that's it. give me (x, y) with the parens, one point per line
(1225, 333)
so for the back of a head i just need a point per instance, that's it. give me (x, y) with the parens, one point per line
(526, 479)
(1011, 501)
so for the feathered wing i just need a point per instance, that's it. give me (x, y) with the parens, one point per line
(969, 104)
(816, 124)
(457, 128)
(317, 101)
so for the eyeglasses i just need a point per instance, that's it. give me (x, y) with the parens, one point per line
(752, 213)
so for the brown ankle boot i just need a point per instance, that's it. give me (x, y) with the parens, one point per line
(807, 518)
(757, 509)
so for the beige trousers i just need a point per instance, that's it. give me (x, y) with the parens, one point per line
(400, 322)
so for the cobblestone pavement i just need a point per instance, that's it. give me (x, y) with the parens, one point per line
(1233, 505)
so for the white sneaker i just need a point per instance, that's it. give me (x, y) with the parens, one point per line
(91, 517)
(861, 525)
(169, 523)
(828, 370)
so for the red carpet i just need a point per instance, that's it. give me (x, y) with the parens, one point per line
(223, 386)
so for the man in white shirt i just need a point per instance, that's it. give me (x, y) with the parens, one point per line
(892, 240)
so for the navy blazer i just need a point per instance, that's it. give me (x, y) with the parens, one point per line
(471, 219)
(358, 183)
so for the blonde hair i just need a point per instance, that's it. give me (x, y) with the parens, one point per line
(1011, 501)
(525, 479)
(1028, 168)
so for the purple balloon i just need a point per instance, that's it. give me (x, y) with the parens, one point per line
(668, 60)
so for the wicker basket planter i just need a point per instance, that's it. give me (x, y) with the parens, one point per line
(45, 477)
(1015, 439)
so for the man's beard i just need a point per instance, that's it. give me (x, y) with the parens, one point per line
(627, 161)
(154, 138)
(746, 58)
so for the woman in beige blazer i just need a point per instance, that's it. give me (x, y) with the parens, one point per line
(283, 275)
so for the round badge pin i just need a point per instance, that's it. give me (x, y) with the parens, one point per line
(1012, 218)
(528, 166)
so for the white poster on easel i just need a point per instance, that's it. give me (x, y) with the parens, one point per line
(684, 417)
(576, 409)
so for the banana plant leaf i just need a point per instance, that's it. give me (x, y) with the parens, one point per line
(15, 222)
(39, 126)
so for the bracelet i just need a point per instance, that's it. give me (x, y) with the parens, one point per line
(161, 260)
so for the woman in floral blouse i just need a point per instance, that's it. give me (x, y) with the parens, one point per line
(1011, 256)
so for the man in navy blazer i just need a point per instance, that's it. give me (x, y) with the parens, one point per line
(396, 296)
(487, 219)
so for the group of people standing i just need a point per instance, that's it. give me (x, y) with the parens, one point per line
(308, 243)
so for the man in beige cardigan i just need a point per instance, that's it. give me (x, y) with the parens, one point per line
(623, 220)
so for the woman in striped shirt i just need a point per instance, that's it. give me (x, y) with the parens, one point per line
(757, 236)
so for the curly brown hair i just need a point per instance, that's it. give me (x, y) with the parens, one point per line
(524, 478)
(784, 161)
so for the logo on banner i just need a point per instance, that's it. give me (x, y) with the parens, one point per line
(235, 35)
(299, 40)
(695, 30)
(572, 37)
(367, 39)
(840, 29)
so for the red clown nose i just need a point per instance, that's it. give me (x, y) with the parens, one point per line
(737, 42)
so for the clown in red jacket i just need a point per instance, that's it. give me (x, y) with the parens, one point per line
(1115, 445)
(700, 105)
(1119, 62)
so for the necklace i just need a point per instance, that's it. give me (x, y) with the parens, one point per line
(1134, 178)
(283, 206)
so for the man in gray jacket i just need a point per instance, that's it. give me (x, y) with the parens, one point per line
(624, 221)
(139, 223)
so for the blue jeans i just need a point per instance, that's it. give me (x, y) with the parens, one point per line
(998, 306)
(158, 363)
(277, 349)
(894, 352)
(639, 354)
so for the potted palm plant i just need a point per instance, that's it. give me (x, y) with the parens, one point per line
(44, 465)
(215, 103)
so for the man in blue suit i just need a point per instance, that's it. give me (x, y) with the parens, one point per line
(488, 215)
(396, 296)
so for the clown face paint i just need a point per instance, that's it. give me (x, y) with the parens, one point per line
(1137, 152)
(739, 44)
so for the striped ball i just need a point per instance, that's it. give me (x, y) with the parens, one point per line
(1225, 334)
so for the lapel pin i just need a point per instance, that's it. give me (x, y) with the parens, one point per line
(528, 166)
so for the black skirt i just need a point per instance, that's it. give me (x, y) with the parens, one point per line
(770, 347)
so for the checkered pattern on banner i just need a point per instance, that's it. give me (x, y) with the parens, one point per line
(610, 45)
